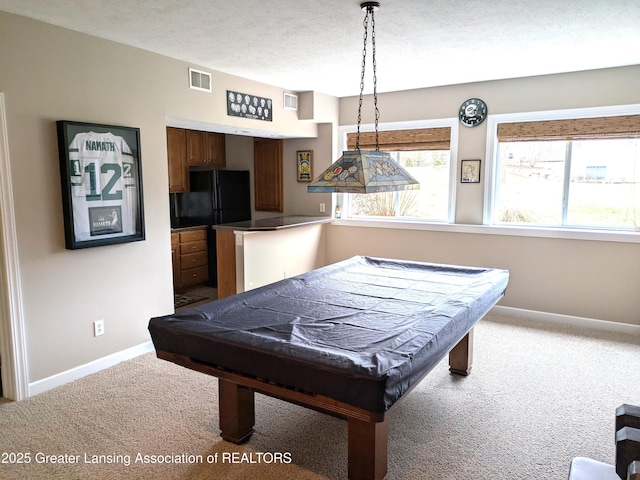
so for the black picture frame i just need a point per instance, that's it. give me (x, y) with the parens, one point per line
(470, 171)
(105, 207)
(304, 165)
(249, 106)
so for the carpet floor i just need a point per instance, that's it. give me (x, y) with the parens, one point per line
(538, 395)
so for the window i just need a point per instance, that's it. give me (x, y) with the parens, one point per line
(426, 154)
(577, 173)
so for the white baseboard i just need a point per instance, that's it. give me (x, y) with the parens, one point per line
(92, 367)
(567, 320)
(110, 360)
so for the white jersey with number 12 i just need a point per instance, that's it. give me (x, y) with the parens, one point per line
(102, 174)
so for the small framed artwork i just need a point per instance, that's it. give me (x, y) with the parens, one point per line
(101, 184)
(304, 162)
(470, 171)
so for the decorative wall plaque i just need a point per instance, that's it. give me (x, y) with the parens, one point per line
(249, 106)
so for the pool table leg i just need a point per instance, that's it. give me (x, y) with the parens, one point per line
(461, 356)
(236, 410)
(368, 443)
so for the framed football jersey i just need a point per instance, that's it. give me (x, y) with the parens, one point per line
(101, 184)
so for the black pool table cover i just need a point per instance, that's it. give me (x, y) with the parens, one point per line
(362, 331)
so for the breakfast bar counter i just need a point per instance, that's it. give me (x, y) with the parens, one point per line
(274, 223)
(257, 252)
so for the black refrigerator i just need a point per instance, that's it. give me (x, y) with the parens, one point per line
(215, 197)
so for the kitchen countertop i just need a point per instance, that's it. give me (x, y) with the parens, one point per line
(185, 229)
(274, 223)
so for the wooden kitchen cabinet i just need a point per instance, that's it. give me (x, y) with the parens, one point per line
(215, 149)
(205, 149)
(176, 154)
(192, 148)
(190, 260)
(268, 177)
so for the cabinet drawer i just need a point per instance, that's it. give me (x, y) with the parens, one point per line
(194, 275)
(175, 238)
(193, 247)
(193, 260)
(193, 235)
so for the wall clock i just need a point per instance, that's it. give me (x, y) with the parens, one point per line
(472, 112)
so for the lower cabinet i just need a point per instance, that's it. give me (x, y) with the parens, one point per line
(189, 254)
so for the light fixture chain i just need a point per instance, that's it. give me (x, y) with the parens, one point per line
(364, 61)
(375, 78)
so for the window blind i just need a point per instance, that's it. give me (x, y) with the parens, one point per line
(403, 140)
(624, 126)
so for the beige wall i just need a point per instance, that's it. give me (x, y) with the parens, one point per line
(589, 279)
(50, 74)
(297, 200)
(593, 279)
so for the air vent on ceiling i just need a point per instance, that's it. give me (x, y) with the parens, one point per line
(199, 80)
(290, 101)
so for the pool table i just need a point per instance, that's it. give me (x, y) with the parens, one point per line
(349, 339)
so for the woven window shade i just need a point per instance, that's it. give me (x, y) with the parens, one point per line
(626, 126)
(403, 140)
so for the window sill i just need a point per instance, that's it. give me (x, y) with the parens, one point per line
(517, 231)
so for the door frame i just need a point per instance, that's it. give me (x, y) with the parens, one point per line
(12, 333)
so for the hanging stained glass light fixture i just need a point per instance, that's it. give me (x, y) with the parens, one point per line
(365, 171)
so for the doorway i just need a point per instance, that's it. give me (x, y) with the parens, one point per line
(13, 360)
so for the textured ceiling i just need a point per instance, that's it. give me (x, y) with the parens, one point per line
(305, 45)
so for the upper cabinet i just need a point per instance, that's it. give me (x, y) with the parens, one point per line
(205, 149)
(192, 148)
(177, 155)
(215, 149)
(268, 177)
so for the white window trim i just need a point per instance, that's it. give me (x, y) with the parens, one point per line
(434, 123)
(512, 231)
(490, 169)
(491, 143)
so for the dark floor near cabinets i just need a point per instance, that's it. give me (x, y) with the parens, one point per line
(208, 293)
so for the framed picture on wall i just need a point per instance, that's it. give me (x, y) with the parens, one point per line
(470, 171)
(101, 184)
(304, 162)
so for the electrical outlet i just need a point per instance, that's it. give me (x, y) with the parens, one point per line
(98, 328)
(322, 208)
(286, 274)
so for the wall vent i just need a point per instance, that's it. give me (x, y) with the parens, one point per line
(199, 80)
(290, 101)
